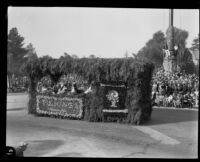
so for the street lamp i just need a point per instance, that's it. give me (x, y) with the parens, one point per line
(175, 47)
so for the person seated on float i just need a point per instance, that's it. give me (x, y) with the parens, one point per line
(55, 89)
(89, 90)
(59, 89)
(63, 88)
(75, 90)
(44, 89)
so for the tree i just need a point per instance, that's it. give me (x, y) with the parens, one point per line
(66, 55)
(92, 56)
(184, 55)
(153, 49)
(180, 37)
(195, 43)
(74, 56)
(15, 52)
(195, 52)
(134, 55)
(185, 62)
(31, 54)
(126, 54)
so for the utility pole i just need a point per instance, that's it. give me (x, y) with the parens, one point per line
(170, 60)
(170, 32)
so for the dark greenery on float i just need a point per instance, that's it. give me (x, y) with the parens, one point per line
(135, 73)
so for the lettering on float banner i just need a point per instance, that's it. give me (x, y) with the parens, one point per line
(62, 106)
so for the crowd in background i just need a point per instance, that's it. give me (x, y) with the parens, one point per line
(175, 89)
(17, 83)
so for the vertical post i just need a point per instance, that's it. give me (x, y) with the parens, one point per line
(170, 63)
(171, 17)
(170, 32)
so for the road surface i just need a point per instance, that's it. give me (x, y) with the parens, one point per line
(169, 134)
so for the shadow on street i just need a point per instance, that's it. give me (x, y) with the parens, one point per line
(40, 147)
(167, 116)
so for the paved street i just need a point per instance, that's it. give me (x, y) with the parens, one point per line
(170, 134)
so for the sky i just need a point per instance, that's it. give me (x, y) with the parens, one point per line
(104, 32)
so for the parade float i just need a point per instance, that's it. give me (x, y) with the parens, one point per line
(121, 89)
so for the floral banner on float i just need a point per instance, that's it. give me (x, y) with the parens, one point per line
(114, 97)
(59, 106)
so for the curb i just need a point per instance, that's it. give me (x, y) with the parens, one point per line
(17, 93)
(173, 108)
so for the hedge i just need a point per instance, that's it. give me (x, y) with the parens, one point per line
(136, 74)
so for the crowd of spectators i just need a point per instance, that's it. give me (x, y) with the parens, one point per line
(175, 89)
(18, 83)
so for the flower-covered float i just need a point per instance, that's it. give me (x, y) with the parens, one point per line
(96, 89)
